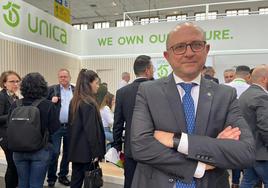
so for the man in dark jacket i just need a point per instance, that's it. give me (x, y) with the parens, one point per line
(125, 102)
(61, 95)
(209, 73)
(254, 106)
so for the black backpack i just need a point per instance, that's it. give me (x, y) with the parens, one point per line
(24, 128)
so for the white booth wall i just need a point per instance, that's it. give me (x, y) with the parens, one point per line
(110, 69)
(25, 58)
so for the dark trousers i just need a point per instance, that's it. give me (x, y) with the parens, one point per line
(78, 174)
(11, 176)
(254, 174)
(129, 167)
(236, 176)
(56, 138)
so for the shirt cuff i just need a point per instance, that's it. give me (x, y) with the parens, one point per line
(200, 170)
(183, 145)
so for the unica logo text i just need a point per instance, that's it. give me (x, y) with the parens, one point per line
(11, 16)
(35, 24)
(49, 30)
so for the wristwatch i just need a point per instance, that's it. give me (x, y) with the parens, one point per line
(176, 140)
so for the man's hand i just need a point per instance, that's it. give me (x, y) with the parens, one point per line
(209, 167)
(165, 138)
(230, 133)
(55, 99)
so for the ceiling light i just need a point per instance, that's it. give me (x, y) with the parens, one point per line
(116, 14)
(114, 4)
(175, 12)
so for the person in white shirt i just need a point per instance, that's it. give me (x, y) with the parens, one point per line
(229, 75)
(242, 76)
(240, 83)
(125, 80)
(107, 115)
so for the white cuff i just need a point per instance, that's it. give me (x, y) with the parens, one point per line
(200, 170)
(183, 145)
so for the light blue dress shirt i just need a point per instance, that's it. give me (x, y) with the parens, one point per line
(66, 97)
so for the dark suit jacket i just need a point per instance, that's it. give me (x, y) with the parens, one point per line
(254, 105)
(208, 77)
(54, 90)
(5, 103)
(158, 107)
(87, 139)
(125, 102)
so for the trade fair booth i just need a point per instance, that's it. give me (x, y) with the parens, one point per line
(32, 40)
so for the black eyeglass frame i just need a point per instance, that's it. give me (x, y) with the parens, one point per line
(186, 45)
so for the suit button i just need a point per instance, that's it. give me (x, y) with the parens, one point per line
(198, 156)
(207, 158)
(170, 180)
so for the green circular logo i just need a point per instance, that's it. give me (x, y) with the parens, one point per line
(12, 17)
(162, 70)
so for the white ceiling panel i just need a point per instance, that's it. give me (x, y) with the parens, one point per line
(83, 11)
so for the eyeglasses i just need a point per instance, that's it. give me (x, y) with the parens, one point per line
(14, 81)
(181, 48)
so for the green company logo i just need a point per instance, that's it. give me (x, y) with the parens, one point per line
(162, 70)
(36, 25)
(13, 18)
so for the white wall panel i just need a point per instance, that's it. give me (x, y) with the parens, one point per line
(110, 69)
(24, 59)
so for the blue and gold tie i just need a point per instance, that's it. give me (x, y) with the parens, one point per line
(189, 113)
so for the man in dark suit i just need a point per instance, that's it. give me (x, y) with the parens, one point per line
(210, 133)
(125, 101)
(61, 95)
(254, 105)
(209, 73)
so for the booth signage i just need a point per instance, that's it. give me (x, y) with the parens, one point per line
(21, 20)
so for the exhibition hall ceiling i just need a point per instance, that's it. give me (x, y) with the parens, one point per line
(107, 10)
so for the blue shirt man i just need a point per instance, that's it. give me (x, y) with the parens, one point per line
(61, 95)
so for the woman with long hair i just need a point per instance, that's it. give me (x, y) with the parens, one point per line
(87, 139)
(107, 115)
(9, 82)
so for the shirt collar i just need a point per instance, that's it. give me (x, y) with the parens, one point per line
(69, 87)
(178, 80)
(239, 80)
(10, 93)
(139, 77)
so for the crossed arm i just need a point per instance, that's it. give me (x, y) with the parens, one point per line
(166, 138)
(233, 147)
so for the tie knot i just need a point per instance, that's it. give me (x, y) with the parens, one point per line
(187, 87)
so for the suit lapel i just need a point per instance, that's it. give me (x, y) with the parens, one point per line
(58, 90)
(206, 94)
(10, 100)
(174, 99)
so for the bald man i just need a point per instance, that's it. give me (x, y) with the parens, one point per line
(183, 134)
(254, 105)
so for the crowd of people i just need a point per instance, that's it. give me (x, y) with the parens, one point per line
(181, 131)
